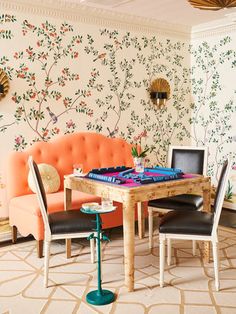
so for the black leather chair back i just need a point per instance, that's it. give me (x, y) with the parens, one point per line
(40, 183)
(189, 161)
(221, 184)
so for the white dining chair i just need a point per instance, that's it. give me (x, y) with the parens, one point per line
(189, 159)
(197, 225)
(60, 225)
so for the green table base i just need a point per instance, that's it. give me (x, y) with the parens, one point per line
(99, 296)
(103, 298)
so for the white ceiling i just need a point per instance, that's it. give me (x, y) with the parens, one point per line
(171, 11)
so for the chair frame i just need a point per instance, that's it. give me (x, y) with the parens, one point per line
(48, 236)
(156, 211)
(213, 238)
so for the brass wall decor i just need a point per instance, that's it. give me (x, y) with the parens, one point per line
(4, 84)
(159, 92)
(212, 4)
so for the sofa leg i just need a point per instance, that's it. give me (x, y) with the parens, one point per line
(40, 248)
(14, 234)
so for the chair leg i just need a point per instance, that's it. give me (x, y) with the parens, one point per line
(14, 234)
(46, 262)
(216, 265)
(168, 252)
(92, 250)
(194, 243)
(162, 261)
(40, 248)
(150, 227)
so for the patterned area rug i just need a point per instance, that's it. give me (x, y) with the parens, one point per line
(189, 284)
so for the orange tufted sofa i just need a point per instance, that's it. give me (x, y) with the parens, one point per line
(91, 149)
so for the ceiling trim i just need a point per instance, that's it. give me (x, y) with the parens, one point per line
(215, 28)
(100, 17)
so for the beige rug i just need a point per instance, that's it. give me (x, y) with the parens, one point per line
(189, 283)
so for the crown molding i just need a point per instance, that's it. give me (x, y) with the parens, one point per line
(64, 10)
(220, 27)
(96, 16)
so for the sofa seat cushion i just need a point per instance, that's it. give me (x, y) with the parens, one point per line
(55, 202)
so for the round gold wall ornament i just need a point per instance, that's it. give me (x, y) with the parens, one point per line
(160, 92)
(4, 84)
(213, 5)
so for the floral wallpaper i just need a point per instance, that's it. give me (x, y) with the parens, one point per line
(68, 77)
(214, 100)
(41, 65)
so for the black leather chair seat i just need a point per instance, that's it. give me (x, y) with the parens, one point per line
(71, 221)
(178, 202)
(180, 222)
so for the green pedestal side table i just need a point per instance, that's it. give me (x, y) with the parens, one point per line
(99, 296)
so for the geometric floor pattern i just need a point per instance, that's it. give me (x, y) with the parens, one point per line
(189, 283)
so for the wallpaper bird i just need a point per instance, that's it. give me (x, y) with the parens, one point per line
(101, 56)
(112, 133)
(52, 115)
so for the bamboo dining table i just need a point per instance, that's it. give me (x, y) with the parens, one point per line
(129, 197)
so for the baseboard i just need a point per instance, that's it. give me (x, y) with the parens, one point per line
(5, 236)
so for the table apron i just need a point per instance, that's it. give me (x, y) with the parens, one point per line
(104, 191)
(152, 194)
(146, 193)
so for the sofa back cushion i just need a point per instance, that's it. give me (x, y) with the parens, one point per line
(91, 149)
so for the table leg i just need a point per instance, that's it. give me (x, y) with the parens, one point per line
(67, 205)
(128, 230)
(207, 208)
(141, 220)
(207, 199)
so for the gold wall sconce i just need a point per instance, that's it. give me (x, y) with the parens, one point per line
(160, 92)
(4, 84)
